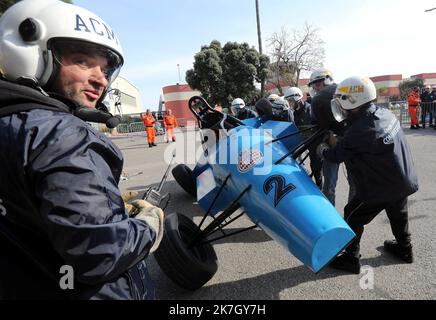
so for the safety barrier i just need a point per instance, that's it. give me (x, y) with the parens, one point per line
(139, 127)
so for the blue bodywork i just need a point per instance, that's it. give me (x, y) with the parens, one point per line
(282, 199)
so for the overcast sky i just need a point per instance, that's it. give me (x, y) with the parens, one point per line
(366, 37)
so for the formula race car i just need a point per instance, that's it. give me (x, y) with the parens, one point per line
(249, 167)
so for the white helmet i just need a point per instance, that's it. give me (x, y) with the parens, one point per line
(272, 97)
(32, 32)
(350, 94)
(321, 74)
(281, 104)
(237, 105)
(293, 93)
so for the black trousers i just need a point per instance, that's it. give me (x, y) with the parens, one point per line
(358, 214)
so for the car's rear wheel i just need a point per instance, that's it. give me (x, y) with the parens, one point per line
(184, 177)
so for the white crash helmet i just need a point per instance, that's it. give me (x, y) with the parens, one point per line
(237, 105)
(272, 97)
(294, 94)
(319, 75)
(31, 31)
(281, 104)
(350, 94)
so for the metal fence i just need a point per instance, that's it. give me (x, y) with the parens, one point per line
(401, 110)
(139, 127)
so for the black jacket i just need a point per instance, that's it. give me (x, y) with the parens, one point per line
(322, 111)
(303, 115)
(376, 153)
(59, 189)
(425, 96)
(245, 113)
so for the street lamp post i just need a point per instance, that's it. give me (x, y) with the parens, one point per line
(178, 69)
(259, 38)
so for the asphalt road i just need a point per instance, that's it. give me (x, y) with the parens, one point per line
(254, 267)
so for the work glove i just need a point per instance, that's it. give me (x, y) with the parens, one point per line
(154, 217)
(127, 196)
(323, 147)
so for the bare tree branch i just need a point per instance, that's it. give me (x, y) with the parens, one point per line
(294, 52)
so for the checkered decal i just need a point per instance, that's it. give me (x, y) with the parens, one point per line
(248, 159)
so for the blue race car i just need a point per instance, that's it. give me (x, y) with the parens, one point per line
(251, 166)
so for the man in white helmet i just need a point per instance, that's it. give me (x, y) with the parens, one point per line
(240, 111)
(375, 151)
(302, 112)
(282, 111)
(301, 109)
(322, 89)
(59, 177)
(272, 97)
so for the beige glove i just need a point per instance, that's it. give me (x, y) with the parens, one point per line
(154, 217)
(127, 196)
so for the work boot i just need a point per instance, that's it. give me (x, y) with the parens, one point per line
(412, 128)
(346, 262)
(418, 127)
(150, 145)
(403, 252)
(174, 139)
(154, 144)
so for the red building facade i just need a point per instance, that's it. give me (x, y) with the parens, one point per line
(176, 98)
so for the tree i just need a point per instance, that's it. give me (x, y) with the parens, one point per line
(225, 73)
(407, 86)
(294, 52)
(5, 4)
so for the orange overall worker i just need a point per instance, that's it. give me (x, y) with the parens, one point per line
(149, 122)
(414, 100)
(170, 123)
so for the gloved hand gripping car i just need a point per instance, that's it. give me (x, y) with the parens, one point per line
(154, 217)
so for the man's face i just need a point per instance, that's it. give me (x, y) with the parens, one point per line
(317, 86)
(82, 77)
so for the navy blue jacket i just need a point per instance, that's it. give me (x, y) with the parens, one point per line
(59, 191)
(375, 151)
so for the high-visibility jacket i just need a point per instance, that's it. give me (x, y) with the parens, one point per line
(170, 120)
(413, 99)
(148, 120)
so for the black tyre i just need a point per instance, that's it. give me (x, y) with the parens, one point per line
(190, 268)
(184, 178)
